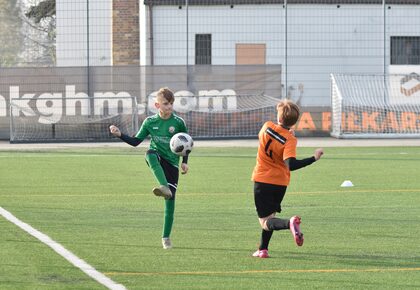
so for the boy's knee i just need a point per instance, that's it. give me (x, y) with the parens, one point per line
(152, 158)
(263, 223)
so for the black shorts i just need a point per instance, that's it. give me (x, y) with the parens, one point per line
(171, 172)
(268, 198)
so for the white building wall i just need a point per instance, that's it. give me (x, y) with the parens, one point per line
(72, 33)
(227, 26)
(321, 39)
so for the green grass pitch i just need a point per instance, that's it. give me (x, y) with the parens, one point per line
(98, 204)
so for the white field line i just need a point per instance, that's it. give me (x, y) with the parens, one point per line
(66, 254)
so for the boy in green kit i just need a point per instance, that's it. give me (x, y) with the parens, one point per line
(163, 163)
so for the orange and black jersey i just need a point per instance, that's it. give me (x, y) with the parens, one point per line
(276, 144)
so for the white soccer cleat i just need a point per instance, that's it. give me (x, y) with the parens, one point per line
(166, 243)
(162, 191)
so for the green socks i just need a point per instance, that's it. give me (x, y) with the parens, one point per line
(169, 217)
(157, 170)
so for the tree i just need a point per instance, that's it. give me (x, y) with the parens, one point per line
(44, 10)
(40, 22)
(10, 33)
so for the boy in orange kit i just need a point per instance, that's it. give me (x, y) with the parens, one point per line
(275, 159)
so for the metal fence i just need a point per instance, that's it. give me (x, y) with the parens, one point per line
(305, 40)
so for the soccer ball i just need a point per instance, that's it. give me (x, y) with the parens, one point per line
(181, 144)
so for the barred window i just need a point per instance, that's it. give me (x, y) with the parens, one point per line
(203, 49)
(405, 50)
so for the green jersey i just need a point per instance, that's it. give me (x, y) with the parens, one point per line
(161, 132)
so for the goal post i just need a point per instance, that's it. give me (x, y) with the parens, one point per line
(221, 116)
(375, 106)
(82, 119)
(227, 116)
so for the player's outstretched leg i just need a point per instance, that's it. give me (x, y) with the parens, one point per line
(295, 230)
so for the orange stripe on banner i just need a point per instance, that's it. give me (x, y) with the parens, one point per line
(369, 121)
(326, 121)
(408, 121)
(391, 121)
(353, 122)
(306, 122)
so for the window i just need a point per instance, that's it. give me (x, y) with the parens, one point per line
(203, 49)
(405, 50)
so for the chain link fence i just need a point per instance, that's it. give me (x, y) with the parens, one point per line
(280, 49)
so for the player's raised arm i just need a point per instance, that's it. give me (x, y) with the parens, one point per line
(295, 164)
(133, 141)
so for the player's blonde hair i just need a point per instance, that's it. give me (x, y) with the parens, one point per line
(166, 94)
(288, 112)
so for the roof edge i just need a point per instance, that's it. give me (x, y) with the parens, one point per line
(280, 2)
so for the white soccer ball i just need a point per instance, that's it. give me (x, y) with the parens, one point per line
(181, 144)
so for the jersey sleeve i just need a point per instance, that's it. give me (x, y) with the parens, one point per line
(144, 130)
(290, 148)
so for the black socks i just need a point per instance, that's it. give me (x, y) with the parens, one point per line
(276, 224)
(273, 224)
(265, 239)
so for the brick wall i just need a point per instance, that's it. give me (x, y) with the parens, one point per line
(125, 32)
